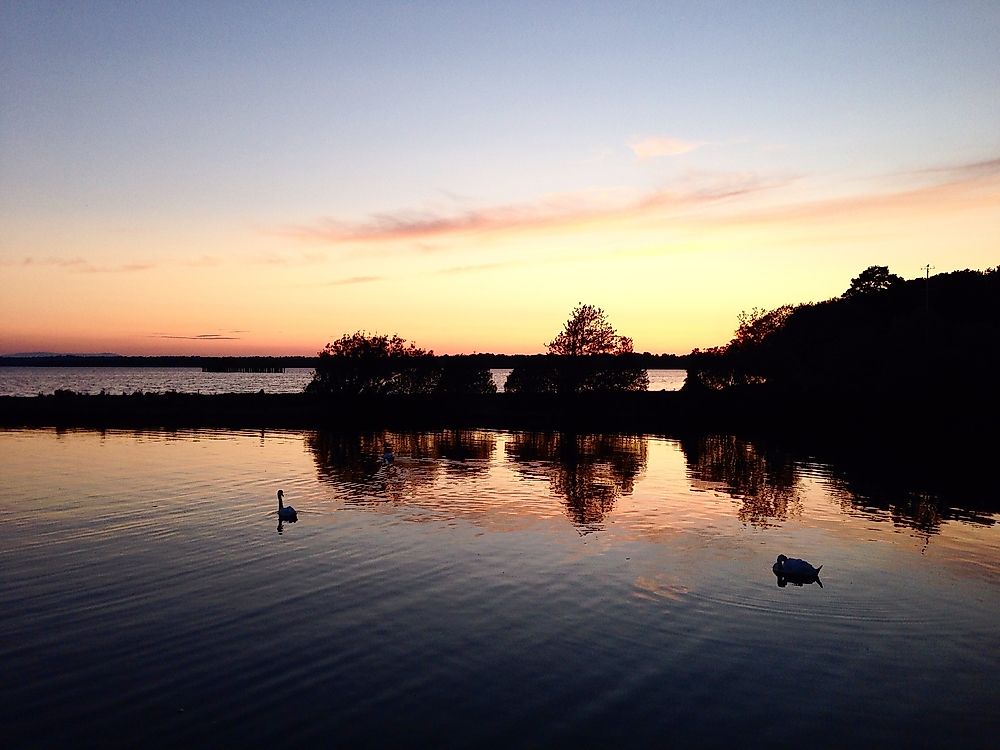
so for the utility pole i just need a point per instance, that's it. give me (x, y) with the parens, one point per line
(927, 286)
(927, 320)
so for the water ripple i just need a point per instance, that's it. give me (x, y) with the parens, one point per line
(601, 591)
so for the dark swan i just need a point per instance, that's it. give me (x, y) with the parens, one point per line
(793, 570)
(286, 512)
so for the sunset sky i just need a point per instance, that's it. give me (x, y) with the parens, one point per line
(244, 178)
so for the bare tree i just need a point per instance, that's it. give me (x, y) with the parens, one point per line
(758, 324)
(588, 332)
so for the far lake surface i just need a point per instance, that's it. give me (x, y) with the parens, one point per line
(30, 381)
(487, 589)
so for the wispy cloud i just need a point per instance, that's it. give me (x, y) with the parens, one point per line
(455, 270)
(662, 145)
(562, 211)
(197, 337)
(51, 261)
(78, 265)
(122, 268)
(965, 171)
(950, 189)
(697, 201)
(290, 259)
(354, 280)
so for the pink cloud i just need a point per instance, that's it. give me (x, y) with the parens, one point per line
(57, 262)
(197, 337)
(430, 231)
(78, 265)
(662, 145)
(554, 212)
(355, 280)
(123, 268)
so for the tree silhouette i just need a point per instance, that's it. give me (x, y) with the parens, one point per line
(588, 347)
(739, 362)
(873, 279)
(756, 326)
(358, 364)
(588, 332)
(461, 376)
(527, 379)
(874, 346)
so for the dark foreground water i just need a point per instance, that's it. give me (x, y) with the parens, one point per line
(488, 589)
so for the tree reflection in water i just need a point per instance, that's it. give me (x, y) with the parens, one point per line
(588, 472)
(762, 480)
(912, 491)
(354, 461)
(915, 492)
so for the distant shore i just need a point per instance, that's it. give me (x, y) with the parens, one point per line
(488, 361)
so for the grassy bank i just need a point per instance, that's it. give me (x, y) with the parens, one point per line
(642, 411)
(750, 410)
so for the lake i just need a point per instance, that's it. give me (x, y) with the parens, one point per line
(30, 381)
(487, 588)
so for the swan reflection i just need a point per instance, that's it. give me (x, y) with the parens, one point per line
(796, 580)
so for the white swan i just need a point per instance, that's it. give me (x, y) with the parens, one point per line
(286, 512)
(794, 568)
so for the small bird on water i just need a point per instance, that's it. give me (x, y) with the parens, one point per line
(791, 566)
(286, 512)
(794, 570)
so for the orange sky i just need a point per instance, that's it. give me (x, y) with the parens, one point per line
(672, 270)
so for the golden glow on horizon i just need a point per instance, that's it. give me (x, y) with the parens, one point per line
(671, 269)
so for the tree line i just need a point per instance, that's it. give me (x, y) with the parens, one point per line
(882, 334)
(587, 356)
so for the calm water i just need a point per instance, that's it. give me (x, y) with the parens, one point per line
(487, 589)
(30, 381)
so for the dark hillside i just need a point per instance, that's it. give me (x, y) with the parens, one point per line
(923, 339)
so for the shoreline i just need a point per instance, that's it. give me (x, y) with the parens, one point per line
(308, 411)
(862, 418)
